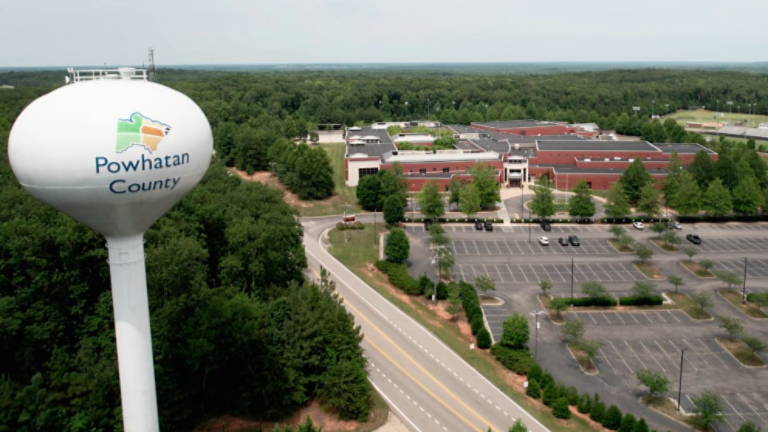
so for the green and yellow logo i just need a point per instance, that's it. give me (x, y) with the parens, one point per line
(140, 130)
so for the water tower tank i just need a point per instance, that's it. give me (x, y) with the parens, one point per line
(115, 152)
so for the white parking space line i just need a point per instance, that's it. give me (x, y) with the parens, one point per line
(652, 356)
(714, 354)
(619, 316)
(621, 357)
(693, 350)
(607, 361)
(666, 353)
(635, 354)
(756, 412)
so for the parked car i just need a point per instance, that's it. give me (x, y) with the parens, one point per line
(638, 225)
(544, 241)
(478, 225)
(675, 225)
(563, 241)
(545, 225)
(574, 240)
(693, 238)
(488, 226)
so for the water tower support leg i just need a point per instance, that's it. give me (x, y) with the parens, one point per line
(132, 331)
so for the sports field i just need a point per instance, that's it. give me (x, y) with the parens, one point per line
(706, 116)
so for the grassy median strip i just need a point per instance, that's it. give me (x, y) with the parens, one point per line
(688, 306)
(742, 353)
(650, 271)
(359, 254)
(750, 309)
(616, 245)
(696, 269)
(665, 246)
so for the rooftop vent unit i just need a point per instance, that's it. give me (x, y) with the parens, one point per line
(616, 158)
(355, 128)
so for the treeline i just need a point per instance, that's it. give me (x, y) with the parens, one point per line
(236, 328)
(305, 170)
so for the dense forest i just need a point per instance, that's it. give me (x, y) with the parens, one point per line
(236, 329)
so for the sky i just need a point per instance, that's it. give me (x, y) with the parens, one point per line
(97, 32)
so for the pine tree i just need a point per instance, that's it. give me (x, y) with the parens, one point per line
(581, 204)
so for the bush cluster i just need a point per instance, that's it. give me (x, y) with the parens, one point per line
(755, 297)
(455, 220)
(519, 361)
(641, 301)
(483, 339)
(399, 277)
(591, 301)
(357, 225)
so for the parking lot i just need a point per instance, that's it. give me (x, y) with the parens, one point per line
(535, 228)
(738, 408)
(741, 244)
(522, 247)
(756, 268)
(737, 226)
(556, 272)
(612, 318)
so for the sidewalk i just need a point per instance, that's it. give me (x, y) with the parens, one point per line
(393, 424)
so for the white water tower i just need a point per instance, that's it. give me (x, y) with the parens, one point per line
(115, 152)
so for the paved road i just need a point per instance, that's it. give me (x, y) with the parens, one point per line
(425, 383)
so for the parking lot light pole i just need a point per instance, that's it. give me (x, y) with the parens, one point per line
(536, 343)
(345, 220)
(744, 288)
(571, 282)
(680, 385)
(375, 239)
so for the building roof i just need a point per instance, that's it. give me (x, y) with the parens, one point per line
(490, 145)
(571, 169)
(466, 145)
(594, 145)
(509, 124)
(746, 132)
(682, 148)
(531, 139)
(368, 149)
(440, 156)
(586, 126)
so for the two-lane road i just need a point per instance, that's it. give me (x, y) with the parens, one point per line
(426, 384)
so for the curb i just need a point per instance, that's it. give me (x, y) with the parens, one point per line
(740, 311)
(739, 361)
(649, 278)
(580, 367)
(694, 274)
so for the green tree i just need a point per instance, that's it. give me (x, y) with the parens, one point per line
(748, 427)
(676, 281)
(585, 404)
(484, 284)
(640, 426)
(368, 190)
(572, 330)
(755, 345)
(717, 199)
(659, 228)
(445, 260)
(543, 203)
(703, 299)
(634, 179)
(690, 252)
(533, 390)
(617, 205)
(560, 409)
(650, 200)
(594, 290)
(469, 200)
(708, 410)
(432, 205)
(515, 332)
(488, 188)
(727, 171)
(644, 289)
(455, 189)
(643, 252)
(686, 199)
(483, 339)
(627, 423)
(518, 426)
(747, 197)
(394, 210)
(545, 285)
(671, 238)
(657, 383)
(590, 348)
(397, 248)
(706, 264)
(559, 305)
(733, 326)
(702, 169)
(616, 231)
(437, 235)
(728, 277)
(612, 419)
(597, 411)
(581, 204)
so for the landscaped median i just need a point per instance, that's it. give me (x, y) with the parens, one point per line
(740, 349)
(698, 268)
(752, 308)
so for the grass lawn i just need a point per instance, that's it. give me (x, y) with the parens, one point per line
(696, 269)
(742, 353)
(587, 365)
(650, 271)
(750, 309)
(342, 194)
(618, 247)
(707, 116)
(666, 406)
(688, 306)
(359, 253)
(664, 245)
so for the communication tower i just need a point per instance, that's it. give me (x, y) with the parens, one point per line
(151, 66)
(115, 152)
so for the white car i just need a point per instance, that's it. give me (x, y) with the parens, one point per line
(638, 225)
(544, 241)
(675, 225)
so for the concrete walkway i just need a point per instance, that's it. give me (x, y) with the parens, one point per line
(393, 424)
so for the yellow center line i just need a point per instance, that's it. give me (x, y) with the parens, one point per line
(414, 379)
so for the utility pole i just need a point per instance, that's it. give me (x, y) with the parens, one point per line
(536, 343)
(345, 220)
(571, 282)
(375, 236)
(744, 289)
(680, 386)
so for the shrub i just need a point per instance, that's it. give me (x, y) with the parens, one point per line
(483, 338)
(399, 277)
(515, 333)
(641, 301)
(585, 403)
(755, 297)
(397, 247)
(426, 286)
(550, 394)
(591, 301)
(442, 290)
(640, 426)
(597, 411)
(546, 379)
(535, 373)
(612, 418)
(476, 324)
(560, 409)
(518, 361)
(572, 395)
(628, 423)
(533, 389)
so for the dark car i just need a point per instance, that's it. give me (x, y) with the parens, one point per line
(545, 225)
(574, 240)
(563, 241)
(488, 226)
(478, 225)
(693, 238)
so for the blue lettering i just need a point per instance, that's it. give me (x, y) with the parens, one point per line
(112, 187)
(131, 166)
(114, 165)
(184, 158)
(100, 162)
(134, 187)
(144, 162)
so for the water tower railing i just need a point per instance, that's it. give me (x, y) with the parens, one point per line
(108, 74)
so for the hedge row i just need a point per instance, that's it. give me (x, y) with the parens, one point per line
(519, 361)
(731, 218)
(457, 220)
(349, 226)
(399, 277)
(591, 301)
(592, 220)
(641, 301)
(754, 297)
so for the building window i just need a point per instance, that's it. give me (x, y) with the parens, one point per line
(434, 169)
(422, 170)
(362, 172)
(447, 188)
(446, 170)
